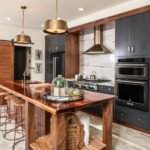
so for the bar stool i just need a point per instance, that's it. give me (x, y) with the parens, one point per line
(9, 100)
(9, 115)
(3, 105)
(19, 104)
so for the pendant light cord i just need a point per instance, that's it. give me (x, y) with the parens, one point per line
(56, 9)
(23, 22)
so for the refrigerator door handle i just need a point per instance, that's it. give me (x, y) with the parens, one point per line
(54, 66)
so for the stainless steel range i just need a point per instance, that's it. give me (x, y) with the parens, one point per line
(91, 85)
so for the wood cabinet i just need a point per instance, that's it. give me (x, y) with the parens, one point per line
(6, 61)
(68, 44)
(72, 55)
(133, 35)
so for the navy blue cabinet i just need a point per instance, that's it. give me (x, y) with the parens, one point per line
(133, 35)
(56, 44)
(131, 116)
(97, 109)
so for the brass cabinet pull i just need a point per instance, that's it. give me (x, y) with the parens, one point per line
(129, 49)
(121, 115)
(139, 119)
(132, 49)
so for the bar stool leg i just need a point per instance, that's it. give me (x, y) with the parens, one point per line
(18, 124)
(15, 126)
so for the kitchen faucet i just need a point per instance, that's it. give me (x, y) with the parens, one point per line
(24, 74)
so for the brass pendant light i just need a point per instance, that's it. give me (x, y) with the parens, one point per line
(22, 38)
(55, 26)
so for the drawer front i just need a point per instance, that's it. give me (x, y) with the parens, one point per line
(106, 89)
(131, 116)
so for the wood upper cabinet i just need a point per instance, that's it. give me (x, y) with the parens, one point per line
(72, 55)
(133, 35)
(6, 61)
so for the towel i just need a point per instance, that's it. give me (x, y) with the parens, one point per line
(85, 120)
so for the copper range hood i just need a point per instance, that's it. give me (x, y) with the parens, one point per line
(98, 47)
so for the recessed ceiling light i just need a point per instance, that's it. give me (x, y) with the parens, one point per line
(8, 19)
(81, 9)
(59, 18)
(108, 26)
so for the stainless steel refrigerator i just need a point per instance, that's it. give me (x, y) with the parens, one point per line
(55, 65)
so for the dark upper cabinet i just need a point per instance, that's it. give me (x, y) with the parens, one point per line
(133, 35)
(56, 43)
(123, 29)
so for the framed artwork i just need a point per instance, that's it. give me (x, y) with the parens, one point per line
(38, 54)
(38, 67)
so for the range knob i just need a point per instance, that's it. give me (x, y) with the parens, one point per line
(76, 85)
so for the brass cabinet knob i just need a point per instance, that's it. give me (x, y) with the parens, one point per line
(121, 115)
(139, 119)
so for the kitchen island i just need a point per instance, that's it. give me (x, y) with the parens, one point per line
(34, 99)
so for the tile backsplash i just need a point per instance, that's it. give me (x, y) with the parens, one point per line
(102, 64)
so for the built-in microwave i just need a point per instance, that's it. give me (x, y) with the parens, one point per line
(132, 71)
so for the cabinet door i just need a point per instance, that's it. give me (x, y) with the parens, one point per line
(140, 34)
(123, 37)
(57, 43)
(133, 117)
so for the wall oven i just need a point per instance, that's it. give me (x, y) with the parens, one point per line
(132, 82)
(132, 94)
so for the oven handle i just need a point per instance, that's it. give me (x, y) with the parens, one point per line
(134, 82)
(136, 65)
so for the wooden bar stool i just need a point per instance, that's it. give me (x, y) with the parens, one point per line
(10, 115)
(19, 104)
(3, 105)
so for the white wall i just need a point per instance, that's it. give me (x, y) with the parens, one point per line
(103, 64)
(8, 32)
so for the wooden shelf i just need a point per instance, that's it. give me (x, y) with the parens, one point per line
(43, 143)
(95, 144)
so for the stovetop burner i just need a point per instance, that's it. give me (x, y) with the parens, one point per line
(87, 84)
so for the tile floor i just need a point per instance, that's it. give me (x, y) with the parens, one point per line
(124, 138)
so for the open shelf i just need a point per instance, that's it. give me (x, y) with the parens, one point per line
(94, 144)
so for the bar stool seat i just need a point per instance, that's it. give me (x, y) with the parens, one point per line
(1, 90)
(19, 103)
(4, 93)
(9, 115)
(42, 143)
(3, 105)
(8, 97)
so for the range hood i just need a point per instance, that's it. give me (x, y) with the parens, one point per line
(98, 47)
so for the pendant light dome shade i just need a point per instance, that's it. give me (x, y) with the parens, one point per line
(22, 38)
(55, 26)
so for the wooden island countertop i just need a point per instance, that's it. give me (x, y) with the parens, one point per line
(33, 98)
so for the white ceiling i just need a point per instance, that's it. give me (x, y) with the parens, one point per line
(40, 10)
